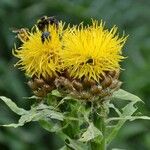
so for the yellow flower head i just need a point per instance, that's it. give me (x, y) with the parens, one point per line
(90, 51)
(39, 55)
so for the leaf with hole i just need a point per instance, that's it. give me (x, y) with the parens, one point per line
(91, 133)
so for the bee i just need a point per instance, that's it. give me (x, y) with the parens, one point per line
(22, 34)
(43, 24)
(45, 36)
(45, 21)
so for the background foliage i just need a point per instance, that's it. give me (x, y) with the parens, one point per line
(130, 16)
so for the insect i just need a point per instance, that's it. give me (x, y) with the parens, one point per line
(22, 34)
(90, 61)
(45, 21)
(45, 35)
(43, 25)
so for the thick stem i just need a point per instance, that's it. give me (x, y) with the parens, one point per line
(99, 122)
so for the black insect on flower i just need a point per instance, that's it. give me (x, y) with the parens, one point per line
(45, 21)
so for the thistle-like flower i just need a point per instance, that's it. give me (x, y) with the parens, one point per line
(92, 50)
(39, 52)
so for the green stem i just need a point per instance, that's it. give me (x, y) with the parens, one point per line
(103, 129)
(100, 124)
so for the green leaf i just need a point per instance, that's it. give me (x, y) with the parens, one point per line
(72, 144)
(13, 106)
(124, 95)
(130, 118)
(42, 106)
(44, 111)
(39, 112)
(126, 114)
(91, 133)
(13, 125)
(116, 109)
(50, 126)
(128, 110)
(56, 93)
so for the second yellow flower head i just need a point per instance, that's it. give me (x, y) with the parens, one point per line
(92, 50)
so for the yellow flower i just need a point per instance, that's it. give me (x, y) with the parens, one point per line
(40, 58)
(90, 51)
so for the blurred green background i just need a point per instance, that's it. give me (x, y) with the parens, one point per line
(130, 16)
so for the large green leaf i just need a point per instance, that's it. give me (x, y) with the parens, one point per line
(128, 110)
(125, 114)
(13, 106)
(36, 113)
